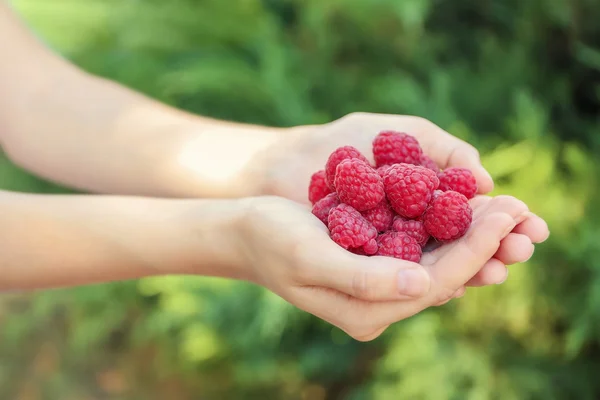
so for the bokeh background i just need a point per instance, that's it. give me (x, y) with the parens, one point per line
(519, 79)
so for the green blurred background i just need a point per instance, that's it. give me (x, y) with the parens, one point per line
(519, 79)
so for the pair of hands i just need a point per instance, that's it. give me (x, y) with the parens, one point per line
(289, 251)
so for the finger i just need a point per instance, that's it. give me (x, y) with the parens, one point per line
(514, 248)
(496, 204)
(479, 202)
(534, 227)
(461, 263)
(456, 295)
(493, 272)
(449, 151)
(499, 204)
(464, 258)
(368, 278)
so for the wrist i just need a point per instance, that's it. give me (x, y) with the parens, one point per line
(207, 240)
(215, 159)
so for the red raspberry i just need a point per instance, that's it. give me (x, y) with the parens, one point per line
(381, 170)
(409, 188)
(429, 163)
(358, 251)
(339, 155)
(399, 245)
(349, 229)
(318, 188)
(460, 180)
(448, 216)
(358, 184)
(412, 227)
(322, 207)
(370, 248)
(381, 216)
(390, 147)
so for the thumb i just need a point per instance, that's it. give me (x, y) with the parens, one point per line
(369, 278)
(466, 257)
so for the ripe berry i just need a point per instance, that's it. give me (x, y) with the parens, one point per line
(412, 227)
(409, 188)
(381, 216)
(390, 147)
(349, 229)
(358, 184)
(322, 207)
(339, 155)
(399, 245)
(429, 163)
(460, 180)
(381, 170)
(318, 188)
(448, 217)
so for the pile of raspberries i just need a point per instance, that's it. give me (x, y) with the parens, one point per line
(395, 207)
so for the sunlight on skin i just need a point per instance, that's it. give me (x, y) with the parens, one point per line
(221, 154)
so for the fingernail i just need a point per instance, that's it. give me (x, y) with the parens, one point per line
(504, 279)
(522, 217)
(485, 171)
(412, 282)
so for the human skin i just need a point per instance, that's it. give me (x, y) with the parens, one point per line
(89, 133)
(51, 241)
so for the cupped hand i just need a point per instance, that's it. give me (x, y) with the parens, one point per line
(287, 166)
(289, 251)
(285, 170)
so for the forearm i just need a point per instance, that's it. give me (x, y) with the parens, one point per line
(59, 241)
(95, 135)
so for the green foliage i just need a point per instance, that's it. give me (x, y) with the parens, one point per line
(521, 80)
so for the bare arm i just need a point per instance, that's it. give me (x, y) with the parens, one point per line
(59, 241)
(93, 134)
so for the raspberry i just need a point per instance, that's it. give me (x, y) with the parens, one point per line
(390, 147)
(399, 245)
(412, 227)
(370, 248)
(460, 180)
(322, 207)
(358, 184)
(339, 155)
(409, 188)
(429, 163)
(448, 216)
(381, 216)
(381, 170)
(349, 229)
(318, 188)
(359, 251)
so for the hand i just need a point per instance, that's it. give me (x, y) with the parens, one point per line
(289, 163)
(288, 250)
(285, 169)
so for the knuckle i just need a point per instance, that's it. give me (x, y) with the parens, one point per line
(472, 149)
(443, 296)
(510, 202)
(361, 285)
(423, 123)
(298, 258)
